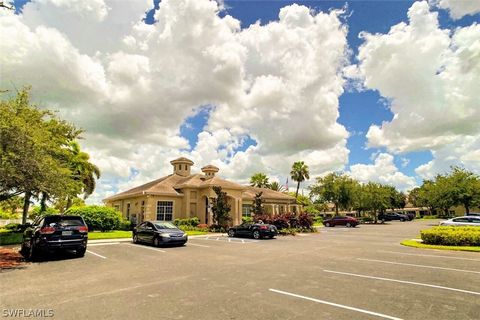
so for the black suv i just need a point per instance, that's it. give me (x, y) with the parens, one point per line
(55, 232)
(390, 216)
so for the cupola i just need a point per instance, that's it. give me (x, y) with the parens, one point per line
(181, 166)
(210, 171)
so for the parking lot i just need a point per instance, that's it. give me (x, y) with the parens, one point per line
(337, 273)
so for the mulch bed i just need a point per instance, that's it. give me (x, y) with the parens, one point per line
(10, 259)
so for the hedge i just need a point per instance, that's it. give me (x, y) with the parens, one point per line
(99, 217)
(452, 236)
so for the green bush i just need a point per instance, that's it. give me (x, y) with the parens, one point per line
(14, 227)
(126, 225)
(8, 215)
(452, 236)
(189, 222)
(98, 217)
(247, 219)
(10, 237)
(36, 212)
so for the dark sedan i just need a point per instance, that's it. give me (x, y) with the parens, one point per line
(159, 233)
(53, 233)
(341, 221)
(391, 216)
(255, 230)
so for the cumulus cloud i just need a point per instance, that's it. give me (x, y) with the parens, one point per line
(384, 171)
(458, 8)
(131, 85)
(430, 77)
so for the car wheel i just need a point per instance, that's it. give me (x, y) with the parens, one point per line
(231, 233)
(348, 225)
(135, 239)
(402, 220)
(80, 252)
(24, 251)
(156, 242)
(33, 252)
(327, 224)
(271, 237)
(256, 234)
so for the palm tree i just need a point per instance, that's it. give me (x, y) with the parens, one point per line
(83, 170)
(299, 173)
(259, 180)
(276, 186)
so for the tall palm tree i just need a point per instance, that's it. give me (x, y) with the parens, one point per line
(276, 186)
(259, 180)
(82, 170)
(299, 173)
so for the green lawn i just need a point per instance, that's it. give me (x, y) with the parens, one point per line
(416, 244)
(117, 234)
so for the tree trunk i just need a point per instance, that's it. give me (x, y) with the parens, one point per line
(26, 205)
(467, 209)
(69, 203)
(336, 209)
(43, 202)
(296, 193)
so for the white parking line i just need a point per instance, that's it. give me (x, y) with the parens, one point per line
(419, 265)
(406, 282)
(428, 255)
(143, 247)
(336, 305)
(197, 245)
(96, 254)
(102, 244)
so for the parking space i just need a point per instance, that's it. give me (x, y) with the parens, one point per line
(360, 273)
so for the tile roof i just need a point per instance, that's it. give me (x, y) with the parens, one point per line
(266, 194)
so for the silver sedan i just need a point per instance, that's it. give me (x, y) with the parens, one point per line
(462, 221)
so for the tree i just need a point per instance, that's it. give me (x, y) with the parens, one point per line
(276, 186)
(465, 188)
(83, 171)
(259, 180)
(336, 188)
(376, 198)
(33, 146)
(12, 204)
(220, 207)
(258, 208)
(299, 174)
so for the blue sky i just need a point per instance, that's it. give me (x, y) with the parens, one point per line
(152, 81)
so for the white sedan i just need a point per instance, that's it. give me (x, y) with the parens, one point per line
(462, 221)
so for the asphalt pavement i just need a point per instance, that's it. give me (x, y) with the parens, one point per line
(337, 273)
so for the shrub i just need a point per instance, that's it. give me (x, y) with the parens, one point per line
(288, 220)
(126, 225)
(247, 219)
(366, 219)
(8, 215)
(189, 222)
(216, 228)
(202, 226)
(14, 227)
(452, 236)
(287, 232)
(98, 217)
(318, 219)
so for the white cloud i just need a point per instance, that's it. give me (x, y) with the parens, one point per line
(384, 171)
(132, 85)
(458, 8)
(430, 78)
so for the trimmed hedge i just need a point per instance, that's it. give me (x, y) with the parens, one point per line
(99, 217)
(9, 237)
(452, 236)
(302, 221)
(188, 222)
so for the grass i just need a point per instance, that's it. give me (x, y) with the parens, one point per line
(416, 244)
(11, 238)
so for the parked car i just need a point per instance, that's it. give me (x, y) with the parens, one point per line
(462, 221)
(53, 233)
(411, 215)
(341, 221)
(390, 216)
(474, 214)
(252, 229)
(159, 233)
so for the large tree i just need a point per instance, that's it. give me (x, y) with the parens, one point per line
(336, 188)
(299, 174)
(33, 146)
(259, 180)
(465, 188)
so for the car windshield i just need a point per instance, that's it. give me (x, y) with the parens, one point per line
(63, 221)
(165, 225)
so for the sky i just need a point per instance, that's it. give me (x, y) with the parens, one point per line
(384, 91)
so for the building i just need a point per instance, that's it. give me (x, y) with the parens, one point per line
(183, 195)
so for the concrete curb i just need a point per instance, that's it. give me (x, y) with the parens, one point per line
(130, 239)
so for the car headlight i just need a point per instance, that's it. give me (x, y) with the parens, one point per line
(165, 235)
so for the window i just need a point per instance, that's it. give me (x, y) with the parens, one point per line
(116, 207)
(461, 220)
(246, 210)
(128, 211)
(164, 210)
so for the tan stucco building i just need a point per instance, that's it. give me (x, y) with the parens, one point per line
(185, 195)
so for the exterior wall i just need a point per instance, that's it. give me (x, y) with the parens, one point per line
(178, 207)
(138, 207)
